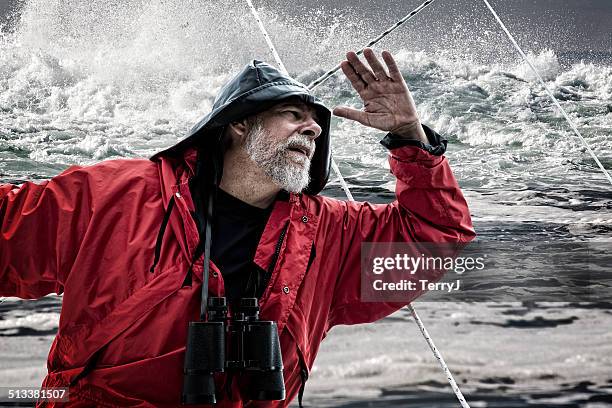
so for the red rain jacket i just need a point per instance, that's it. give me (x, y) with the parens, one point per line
(90, 233)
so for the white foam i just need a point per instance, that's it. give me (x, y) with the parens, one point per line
(25, 318)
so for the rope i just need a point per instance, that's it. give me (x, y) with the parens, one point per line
(345, 186)
(346, 189)
(550, 94)
(436, 353)
(267, 38)
(395, 26)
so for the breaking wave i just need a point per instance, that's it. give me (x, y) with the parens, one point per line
(85, 81)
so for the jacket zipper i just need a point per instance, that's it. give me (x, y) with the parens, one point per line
(160, 234)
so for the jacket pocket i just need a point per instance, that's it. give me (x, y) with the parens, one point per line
(149, 382)
(79, 346)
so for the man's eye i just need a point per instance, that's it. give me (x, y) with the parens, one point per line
(296, 114)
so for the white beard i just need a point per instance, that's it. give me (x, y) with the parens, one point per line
(276, 162)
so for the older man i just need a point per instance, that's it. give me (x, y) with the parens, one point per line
(125, 240)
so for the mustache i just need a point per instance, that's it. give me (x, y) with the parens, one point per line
(301, 142)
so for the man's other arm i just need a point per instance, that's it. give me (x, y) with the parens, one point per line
(41, 226)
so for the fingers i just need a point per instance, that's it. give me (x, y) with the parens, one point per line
(379, 70)
(364, 72)
(355, 79)
(361, 75)
(352, 114)
(394, 71)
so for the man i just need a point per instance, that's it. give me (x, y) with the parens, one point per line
(123, 239)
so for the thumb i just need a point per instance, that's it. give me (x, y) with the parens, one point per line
(352, 114)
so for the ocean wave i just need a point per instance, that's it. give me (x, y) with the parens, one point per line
(88, 81)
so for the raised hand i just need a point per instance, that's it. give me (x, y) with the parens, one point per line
(387, 103)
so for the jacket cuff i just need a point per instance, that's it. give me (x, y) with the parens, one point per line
(437, 144)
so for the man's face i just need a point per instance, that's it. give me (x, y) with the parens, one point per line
(281, 141)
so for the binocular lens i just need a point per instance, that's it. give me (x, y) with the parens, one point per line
(262, 346)
(250, 349)
(263, 385)
(199, 389)
(204, 355)
(263, 378)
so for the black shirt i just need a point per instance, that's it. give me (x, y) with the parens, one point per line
(236, 230)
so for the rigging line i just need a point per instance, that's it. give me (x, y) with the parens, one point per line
(345, 186)
(436, 353)
(550, 94)
(395, 26)
(267, 37)
(280, 64)
(417, 319)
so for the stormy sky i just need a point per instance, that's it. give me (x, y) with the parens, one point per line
(563, 25)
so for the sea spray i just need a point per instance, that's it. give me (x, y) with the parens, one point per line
(85, 81)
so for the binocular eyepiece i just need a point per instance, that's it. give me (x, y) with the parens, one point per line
(241, 345)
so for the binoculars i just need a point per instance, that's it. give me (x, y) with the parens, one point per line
(242, 345)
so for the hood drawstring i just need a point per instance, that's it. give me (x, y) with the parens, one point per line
(160, 235)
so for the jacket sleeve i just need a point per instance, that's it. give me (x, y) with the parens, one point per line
(41, 226)
(429, 208)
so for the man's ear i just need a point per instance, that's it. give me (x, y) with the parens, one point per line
(239, 129)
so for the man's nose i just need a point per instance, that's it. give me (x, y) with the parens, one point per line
(311, 128)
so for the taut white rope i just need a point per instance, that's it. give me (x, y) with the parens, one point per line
(436, 353)
(550, 94)
(388, 31)
(417, 319)
(267, 37)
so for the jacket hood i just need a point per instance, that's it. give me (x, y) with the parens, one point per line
(256, 88)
